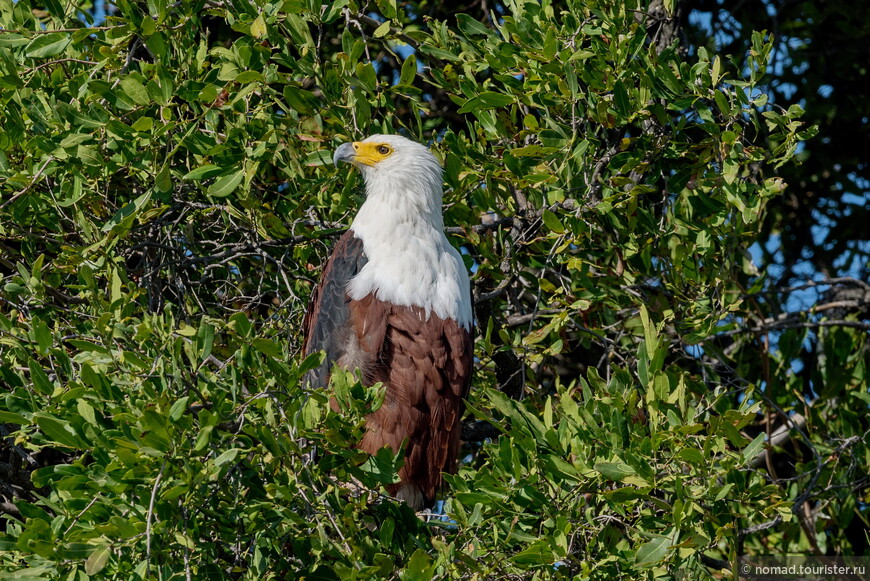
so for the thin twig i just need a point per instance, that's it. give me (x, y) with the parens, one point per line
(396, 32)
(148, 518)
(759, 527)
(50, 31)
(67, 60)
(826, 282)
(29, 186)
(790, 324)
(517, 320)
(780, 435)
(496, 292)
(81, 512)
(16, 448)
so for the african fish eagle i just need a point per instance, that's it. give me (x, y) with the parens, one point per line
(394, 302)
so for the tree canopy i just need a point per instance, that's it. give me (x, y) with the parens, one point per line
(647, 401)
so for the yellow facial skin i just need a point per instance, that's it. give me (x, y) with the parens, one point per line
(370, 153)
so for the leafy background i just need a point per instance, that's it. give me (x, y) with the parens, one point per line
(672, 310)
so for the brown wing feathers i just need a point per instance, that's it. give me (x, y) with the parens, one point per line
(325, 326)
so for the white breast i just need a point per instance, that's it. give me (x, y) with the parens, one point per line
(413, 265)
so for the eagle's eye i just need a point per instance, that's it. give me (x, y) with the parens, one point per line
(384, 149)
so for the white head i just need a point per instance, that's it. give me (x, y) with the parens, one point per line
(399, 173)
(410, 260)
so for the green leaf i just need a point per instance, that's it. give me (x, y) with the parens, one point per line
(204, 341)
(615, 471)
(420, 567)
(381, 467)
(123, 218)
(335, 11)
(753, 448)
(382, 30)
(7, 417)
(178, 408)
(517, 414)
(87, 411)
(540, 552)
(692, 455)
(552, 138)
(653, 551)
(365, 74)
(46, 45)
(387, 8)
(12, 40)
(438, 53)
(40, 379)
(97, 560)
(249, 77)
(268, 347)
(258, 27)
(471, 27)
(228, 456)
(157, 45)
(226, 185)
(724, 491)
(58, 431)
(42, 335)
(650, 335)
(143, 124)
(621, 99)
(240, 324)
(203, 172)
(486, 100)
(551, 221)
(88, 155)
(163, 180)
(625, 494)
(729, 171)
(409, 70)
(722, 102)
(301, 100)
(202, 439)
(134, 89)
(74, 139)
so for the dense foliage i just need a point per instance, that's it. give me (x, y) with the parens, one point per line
(820, 60)
(168, 199)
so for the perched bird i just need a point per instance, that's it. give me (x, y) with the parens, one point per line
(394, 302)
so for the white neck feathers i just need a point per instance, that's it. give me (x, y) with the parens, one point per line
(410, 261)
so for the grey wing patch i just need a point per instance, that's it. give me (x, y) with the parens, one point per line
(326, 324)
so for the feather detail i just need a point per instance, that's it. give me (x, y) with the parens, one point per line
(410, 260)
(325, 326)
(425, 364)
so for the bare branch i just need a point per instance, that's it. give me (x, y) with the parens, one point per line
(58, 61)
(759, 527)
(150, 515)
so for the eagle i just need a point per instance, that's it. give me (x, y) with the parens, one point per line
(394, 302)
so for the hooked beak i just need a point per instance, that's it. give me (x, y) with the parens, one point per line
(345, 152)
